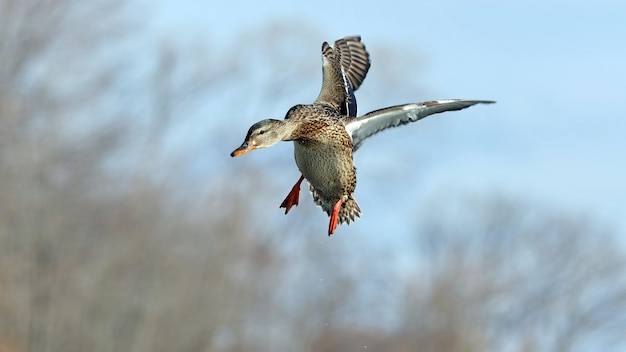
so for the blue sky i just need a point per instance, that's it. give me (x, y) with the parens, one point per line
(557, 69)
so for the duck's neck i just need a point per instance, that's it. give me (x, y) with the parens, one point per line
(286, 130)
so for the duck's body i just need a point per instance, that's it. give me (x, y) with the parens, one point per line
(323, 151)
(327, 132)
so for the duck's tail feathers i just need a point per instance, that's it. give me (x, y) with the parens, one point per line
(349, 212)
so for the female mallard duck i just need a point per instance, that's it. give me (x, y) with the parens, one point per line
(327, 132)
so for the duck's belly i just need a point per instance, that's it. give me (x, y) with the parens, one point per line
(327, 168)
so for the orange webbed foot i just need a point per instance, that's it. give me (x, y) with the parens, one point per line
(292, 197)
(334, 217)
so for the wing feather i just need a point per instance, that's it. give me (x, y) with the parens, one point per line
(378, 120)
(344, 68)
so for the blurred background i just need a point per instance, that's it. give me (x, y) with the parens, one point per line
(126, 226)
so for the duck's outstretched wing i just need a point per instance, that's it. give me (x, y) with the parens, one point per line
(373, 122)
(344, 68)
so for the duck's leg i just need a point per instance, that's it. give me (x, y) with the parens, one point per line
(293, 196)
(334, 217)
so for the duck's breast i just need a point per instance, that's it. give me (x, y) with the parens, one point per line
(327, 166)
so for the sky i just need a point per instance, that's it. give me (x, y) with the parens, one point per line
(557, 70)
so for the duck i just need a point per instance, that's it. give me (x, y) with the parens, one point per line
(327, 132)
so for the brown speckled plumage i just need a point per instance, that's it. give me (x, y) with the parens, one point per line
(327, 132)
(323, 152)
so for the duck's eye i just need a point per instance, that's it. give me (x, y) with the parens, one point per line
(262, 132)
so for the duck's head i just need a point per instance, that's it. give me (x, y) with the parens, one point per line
(262, 134)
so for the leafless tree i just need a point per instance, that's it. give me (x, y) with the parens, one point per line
(509, 275)
(107, 242)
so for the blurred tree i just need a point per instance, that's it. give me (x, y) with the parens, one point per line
(507, 275)
(90, 258)
(498, 274)
(46, 82)
(107, 242)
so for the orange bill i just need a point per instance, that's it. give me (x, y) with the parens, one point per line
(245, 147)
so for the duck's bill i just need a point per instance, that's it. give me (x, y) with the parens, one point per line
(245, 147)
